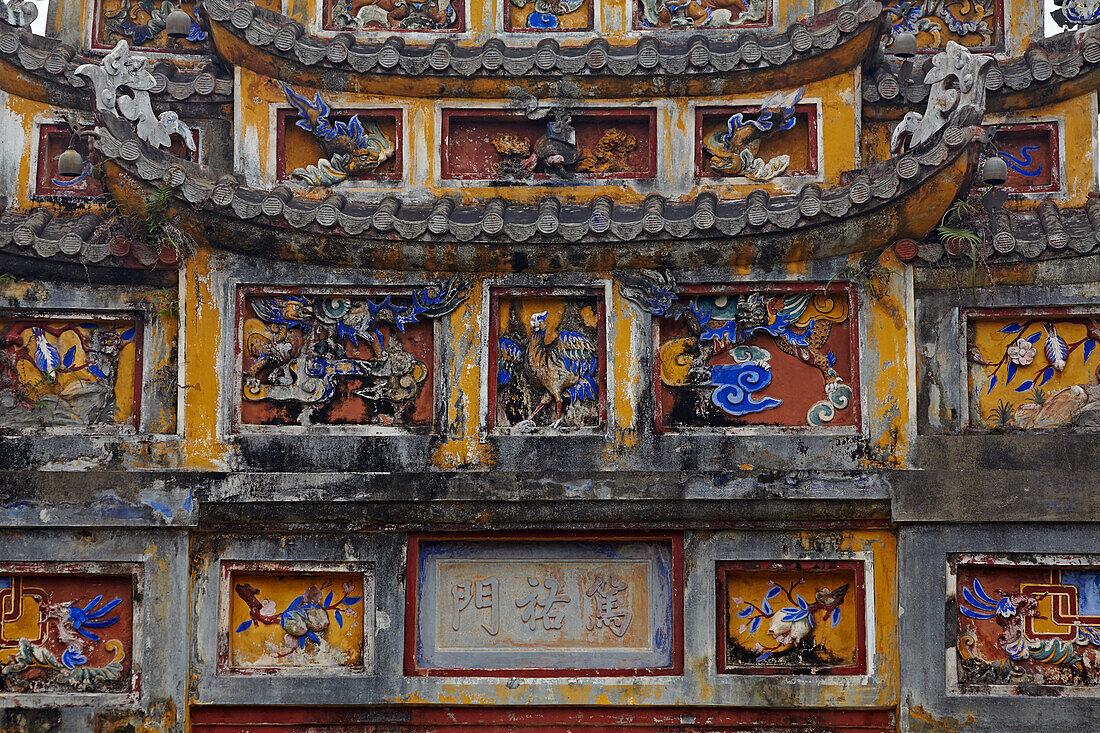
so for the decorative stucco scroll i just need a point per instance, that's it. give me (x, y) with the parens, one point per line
(957, 94)
(123, 82)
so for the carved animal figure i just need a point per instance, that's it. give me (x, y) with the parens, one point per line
(565, 366)
(352, 149)
(609, 153)
(424, 15)
(680, 13)
(1011, 612)
(733, 150)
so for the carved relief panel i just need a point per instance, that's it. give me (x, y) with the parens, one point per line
(340, 357)
(778, 138)
(297, 618)
(1023, 625)
(79, 371)
(543, 17)
(143, 23)
(547, 360)
(716, 14)
(729, 357)
(68, 628)
(549, 145)
(791, 617)
(318, 145)
(543, 607)
(1033, 369)
(976, 24)
(381, 15)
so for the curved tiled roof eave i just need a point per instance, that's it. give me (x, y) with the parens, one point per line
(41, 244)
(43, 70)
(1051, 70)
(1048, 231)
(869, 209)
(276, 45)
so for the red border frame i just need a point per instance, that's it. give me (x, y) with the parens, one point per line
(1054, 160)
(326, 24)
(577, 114)
(812, 113)
(998, 45)
(544, 718)
(246, 289)
(282, 175)
(637, 25)
(674, 539)
(508, 28)
(722, 568)
(853, 340)
(43, 186)
(601, 341)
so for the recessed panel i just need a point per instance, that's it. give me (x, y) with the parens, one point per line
(742, 357)
(1033, 369)
(71, 371)
(297, 620)
(546, 351)
(67, 631)
(546, 606)
(791, 617)
(1024, 626)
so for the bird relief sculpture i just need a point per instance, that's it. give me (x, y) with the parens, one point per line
(58, 373)
(353, 149)
(1027, 625)
(65, 633)
(122, 82)
(717, 364)
(342, 359)
(548, 373)
(733, 150)
(320, 625)
(702, 13)
(1033, 372)
(786, 618)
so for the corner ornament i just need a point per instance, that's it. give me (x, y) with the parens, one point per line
(957, 97)
(18, 13)
(122, 84)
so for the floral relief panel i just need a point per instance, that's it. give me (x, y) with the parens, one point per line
(1033, 369)
(730, 357)
(791, 617)
(543, 16)
(73, 372)
(1023, 623)
(975, 24)
(63, 630)
(386, 15)
(288, 618)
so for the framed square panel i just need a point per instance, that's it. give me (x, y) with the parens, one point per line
(791, 617)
